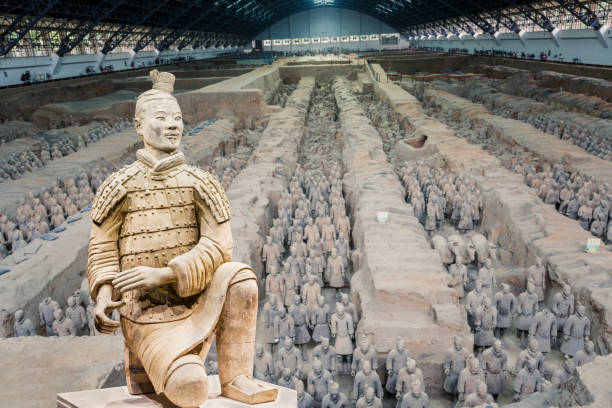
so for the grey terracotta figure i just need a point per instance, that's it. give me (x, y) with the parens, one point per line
(62, 326)
(349, 307)
(415, 397)
(365, 378)
(270, 254)
(407, 375)
(576, 331)
(318, 381)
(480, 398)
(304, 399)
(458, 271)
(537, 274)
(532, 352)
(454, 363)
(396, 360)
(586, 355)
(473, 301)
(563, 306)
(342, 331)
(469, 378)
(77, 314)
(527, 381)
(544, 329)
(495, 366)
(484, 325)
(562, 375)
(263, 367)
(287, 379)
(23, 326)
(289, 357)
(326, 354)
(283, 326)
(505, 303)
(335, 399)
(270, 312)
(320, 320)
(299, 313)
(46, 309)
(364, 353)
(369, 400)
(526, 308)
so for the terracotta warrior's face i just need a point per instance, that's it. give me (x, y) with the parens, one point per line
(160, 125)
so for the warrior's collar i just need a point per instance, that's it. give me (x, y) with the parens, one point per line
(160, 166)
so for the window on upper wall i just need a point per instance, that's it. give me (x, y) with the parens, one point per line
(287, 41)
(315, 40)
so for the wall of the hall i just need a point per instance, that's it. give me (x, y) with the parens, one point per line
(326, 22)
(54, 67)
(582, 44)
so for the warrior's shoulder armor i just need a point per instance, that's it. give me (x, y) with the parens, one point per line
(111, 192)
(210, 190)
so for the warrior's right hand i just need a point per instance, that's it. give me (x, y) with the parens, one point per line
(104, 305)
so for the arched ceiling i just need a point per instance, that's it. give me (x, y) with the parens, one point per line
(233, 22)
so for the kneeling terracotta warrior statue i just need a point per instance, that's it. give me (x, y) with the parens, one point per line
(160, 251)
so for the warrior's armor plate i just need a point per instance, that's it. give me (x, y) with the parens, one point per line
(158, 214)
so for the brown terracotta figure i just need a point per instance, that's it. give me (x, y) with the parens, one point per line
(160, 251)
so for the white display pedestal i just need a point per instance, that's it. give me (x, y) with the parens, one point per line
(119, 397)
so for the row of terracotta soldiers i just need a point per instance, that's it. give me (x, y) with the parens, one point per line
(573, 194)
(39, 214)
(76, 319)
(437, 195)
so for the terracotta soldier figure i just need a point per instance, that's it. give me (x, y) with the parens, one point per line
(23, 327)
(369, 400)
(161, 238)
(526, 308)
(537, 273)
(585, 356)
(407, 376)
(335, 399)
(484, 325)
(341, 326)
(415, 398)
(289, 357)
(576, 331)
(527, 381)
(563, 374)
(396, 360)
(304, 399)
(270, 254)
(326, 354)
(469, 378)
(532, 352)
(318, 381)
(505, 303)
(544, 328)
(364, 353)
(495, 366)
(473, 301)
(479, 398)
(300, 315)
(263, 368)
(283, 326)
(46, 309)
(320, 320)
(454, 363)
(563, 306)
(349, 307)
(365, 378)
(62, 326)
(77, 314)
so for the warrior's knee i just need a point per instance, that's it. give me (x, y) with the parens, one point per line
(245, 291)
(187, 384)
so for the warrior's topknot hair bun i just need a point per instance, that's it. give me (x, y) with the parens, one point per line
(162, 81)
(163, 86)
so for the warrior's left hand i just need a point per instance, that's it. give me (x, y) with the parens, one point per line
(143, 277)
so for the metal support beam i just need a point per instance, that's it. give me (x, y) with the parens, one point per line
(119, 36)
(23, 23)
(75, 36)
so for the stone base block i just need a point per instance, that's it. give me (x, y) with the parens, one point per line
(119, 397)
